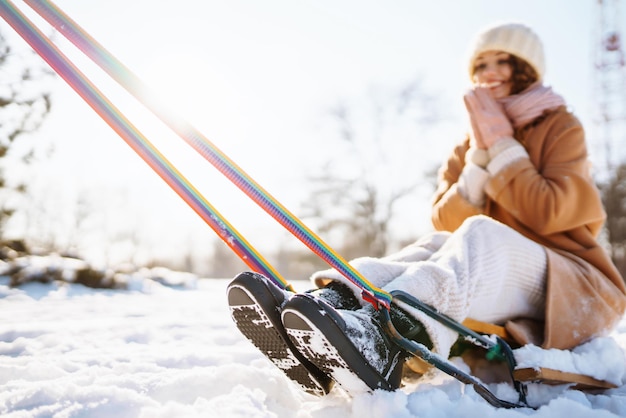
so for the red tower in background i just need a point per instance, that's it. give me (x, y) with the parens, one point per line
(609, 88)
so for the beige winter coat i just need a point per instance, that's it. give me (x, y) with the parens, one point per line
(550, 198)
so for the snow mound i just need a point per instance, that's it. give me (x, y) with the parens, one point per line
(601, 358)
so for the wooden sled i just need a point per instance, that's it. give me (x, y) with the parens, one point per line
(557, 377)
(541, 374)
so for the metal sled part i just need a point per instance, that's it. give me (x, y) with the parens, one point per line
(499, 349)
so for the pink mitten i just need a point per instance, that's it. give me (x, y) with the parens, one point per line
(489, 122)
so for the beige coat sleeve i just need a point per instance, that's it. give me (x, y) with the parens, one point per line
(556, 193)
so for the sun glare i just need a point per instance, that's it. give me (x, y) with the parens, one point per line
(189, 86)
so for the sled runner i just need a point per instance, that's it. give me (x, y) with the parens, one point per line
(539, 374)
(558, 377)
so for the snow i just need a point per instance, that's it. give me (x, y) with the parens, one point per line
(168, 348)
(601, 358)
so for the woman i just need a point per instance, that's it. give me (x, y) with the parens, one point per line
(517, 217)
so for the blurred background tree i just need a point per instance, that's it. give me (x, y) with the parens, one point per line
(375, 163)
(614, 199)
(24, 104)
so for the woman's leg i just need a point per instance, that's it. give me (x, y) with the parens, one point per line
(485, 270)
(381, 271)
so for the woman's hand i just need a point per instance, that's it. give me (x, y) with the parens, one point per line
(489, 122)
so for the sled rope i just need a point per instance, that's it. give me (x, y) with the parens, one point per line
(138, 142)
(209, 151)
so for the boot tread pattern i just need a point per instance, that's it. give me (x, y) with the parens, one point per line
(258, 328)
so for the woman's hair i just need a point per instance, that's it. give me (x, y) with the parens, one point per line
(523, 74)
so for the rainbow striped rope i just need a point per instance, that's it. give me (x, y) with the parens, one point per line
(209, 151)
(138, 142)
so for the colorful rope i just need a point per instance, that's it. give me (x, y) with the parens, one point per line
(209, 151)
(138, 142)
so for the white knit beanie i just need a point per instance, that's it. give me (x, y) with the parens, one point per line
(514, 38)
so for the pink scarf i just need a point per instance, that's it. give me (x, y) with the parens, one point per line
(526, 106)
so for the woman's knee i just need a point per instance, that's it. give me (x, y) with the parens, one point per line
(481, 224)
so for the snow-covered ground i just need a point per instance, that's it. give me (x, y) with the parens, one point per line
(157, 350)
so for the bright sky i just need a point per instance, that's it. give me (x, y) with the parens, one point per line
(257, 77)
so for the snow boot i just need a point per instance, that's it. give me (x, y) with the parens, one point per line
(338, 295)
(350, 345)
(255, 305)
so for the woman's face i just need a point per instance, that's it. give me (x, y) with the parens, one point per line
(492, 69)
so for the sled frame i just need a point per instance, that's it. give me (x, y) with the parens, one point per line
(498, 349)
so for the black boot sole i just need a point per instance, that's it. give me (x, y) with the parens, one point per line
(255, 308)
(316, 331)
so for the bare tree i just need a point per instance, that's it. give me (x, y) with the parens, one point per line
(23, 107)
(371, 168)
(614, 199)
